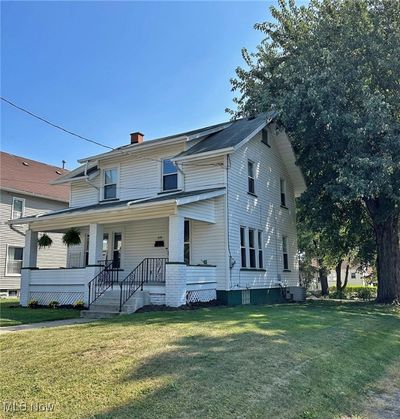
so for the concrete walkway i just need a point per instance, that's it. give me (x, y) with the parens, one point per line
(43, 325)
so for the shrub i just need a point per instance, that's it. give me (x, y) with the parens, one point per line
(53, 304)
(33, 304)
(79, 305)
(354, 291)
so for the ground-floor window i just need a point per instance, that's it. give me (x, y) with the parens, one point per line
(251, 248)
(14, 260)
(285, 253)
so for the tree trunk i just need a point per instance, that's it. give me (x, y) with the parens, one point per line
(339, 276)
(388, 260)
(323, 279)
(386, 222)
(346, 278)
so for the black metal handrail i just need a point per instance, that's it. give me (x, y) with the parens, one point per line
(149, 270)
(104, 280)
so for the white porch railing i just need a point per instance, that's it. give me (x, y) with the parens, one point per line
(201, 283)
(67, 286)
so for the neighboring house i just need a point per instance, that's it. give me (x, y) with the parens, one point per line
(356, 276)
(25, 192)
(191, 217)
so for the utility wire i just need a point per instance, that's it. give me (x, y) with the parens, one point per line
(97, 142)
(55, 125)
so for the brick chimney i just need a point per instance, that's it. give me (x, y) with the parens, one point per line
(136, 138)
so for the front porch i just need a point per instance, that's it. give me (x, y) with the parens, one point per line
(161, 256)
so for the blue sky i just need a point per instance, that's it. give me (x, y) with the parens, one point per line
(105, 69)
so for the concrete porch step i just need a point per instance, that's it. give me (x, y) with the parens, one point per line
(108, 304)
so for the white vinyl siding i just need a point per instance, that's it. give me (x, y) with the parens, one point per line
(32, 206)
(262, 213)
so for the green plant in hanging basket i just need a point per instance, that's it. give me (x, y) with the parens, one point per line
(45, 241)
(72, 237)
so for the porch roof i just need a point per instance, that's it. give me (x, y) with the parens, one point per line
(177, 198)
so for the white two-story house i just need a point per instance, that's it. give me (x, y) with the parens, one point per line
(191, 217)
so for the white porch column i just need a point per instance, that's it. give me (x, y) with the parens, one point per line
(95, 244)
(95, 255)
(175, 281)
(29, 261)
(176, 237)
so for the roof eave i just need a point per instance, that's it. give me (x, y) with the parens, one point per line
(134, 148)
(48, 197)
(213, 153)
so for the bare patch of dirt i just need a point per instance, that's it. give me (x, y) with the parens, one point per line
(384, 401)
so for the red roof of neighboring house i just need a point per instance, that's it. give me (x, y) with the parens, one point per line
(32, 177)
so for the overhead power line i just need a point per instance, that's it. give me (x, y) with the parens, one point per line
(55, 125)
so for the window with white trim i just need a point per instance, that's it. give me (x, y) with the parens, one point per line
(250, 177)
(169, 176)
(260, 249)
(18, 208)
(14, 260)
(283, 192)
(285, 253)
(265, 137)
(110, 182)
(252, 249)
(186, 242)
(243, 247)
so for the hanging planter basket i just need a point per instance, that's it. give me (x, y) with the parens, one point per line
(72, 237)
(45, 241)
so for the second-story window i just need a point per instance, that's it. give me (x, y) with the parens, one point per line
(169, 176)
(18, 207)
(250, 176)
(283, 192)
(110, 183)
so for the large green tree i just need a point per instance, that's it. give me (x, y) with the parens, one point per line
(332, 70)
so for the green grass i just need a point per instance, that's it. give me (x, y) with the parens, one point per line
(317, 360)
(11, 314)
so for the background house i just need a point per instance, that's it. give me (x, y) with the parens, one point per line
(25, 191)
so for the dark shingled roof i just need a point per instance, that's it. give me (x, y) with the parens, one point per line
(230, 136)
(121, 204)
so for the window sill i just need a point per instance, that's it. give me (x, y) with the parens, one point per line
(287, 270)
(253, 269)
(108, 200)
(252, 194)
(284, 206)
(169, 191)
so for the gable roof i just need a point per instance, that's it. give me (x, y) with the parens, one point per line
(231, 136)
(26, 176)
(211, 138)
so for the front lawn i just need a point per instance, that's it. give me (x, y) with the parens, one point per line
(11, 314)
(316, 360)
